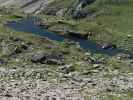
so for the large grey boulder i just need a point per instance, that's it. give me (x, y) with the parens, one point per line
(47, 58)
(39, 57)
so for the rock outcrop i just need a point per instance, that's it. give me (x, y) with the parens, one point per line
(44, 6)
(28, 6)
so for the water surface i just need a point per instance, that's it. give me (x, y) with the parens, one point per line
(29, 26)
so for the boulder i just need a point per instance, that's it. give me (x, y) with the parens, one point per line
(53, 58)
(57, 55)
(76, 34)
(39, 57)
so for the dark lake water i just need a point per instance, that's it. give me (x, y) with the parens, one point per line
(29, 26)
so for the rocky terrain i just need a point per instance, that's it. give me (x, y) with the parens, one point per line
(75, 8)
(33, 67)
(28, 6)
(49, 72)
(50, 7)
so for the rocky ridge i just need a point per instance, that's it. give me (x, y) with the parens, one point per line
(38, 6)
(28, 6)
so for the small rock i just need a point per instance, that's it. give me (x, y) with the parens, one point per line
(108, 46)
(24, 46)
(129, 35)
(17, 50)
(96, 65)
(54, 62)
(2, 62)
(66, 69)
(87, 54)
(8, 95)
(61, 12)
(95, 71)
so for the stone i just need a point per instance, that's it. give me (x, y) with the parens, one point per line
(39, 57)
(15, 39)
(45, 25)
(7, 49)
(77, 34)
(56, 55)
(61, 12)
(54, 62)
(108, 46)
(24, 46)
(129, 35)
(96, 65)
(55, 58)
(66, 69)
(17, 50)
(8, 95)
(2, 61)
(79, 14)
(88, 54)
(86, 2)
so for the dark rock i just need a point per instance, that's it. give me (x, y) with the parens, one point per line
(86, 2)
(2, 61)
(43, 24)
(20, 48)
(76, 34)
(48, 58)
(15, 39)
(79, 14)
(53, 99)
(17, 50)
(8, 95)
(57, 55)
(24, 46)
(61, 12)
(39, 57)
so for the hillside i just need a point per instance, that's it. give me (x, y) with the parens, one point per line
(42, 55)
(101, 20)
